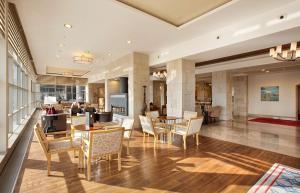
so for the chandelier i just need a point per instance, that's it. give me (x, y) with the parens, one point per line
(84, 58)
(281, 54)
(160, 75)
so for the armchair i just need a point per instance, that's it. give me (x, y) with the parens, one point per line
(102, 143)
(149, 128)
(53, 146)
(193, 128)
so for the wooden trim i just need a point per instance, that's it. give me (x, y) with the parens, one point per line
(239, 56)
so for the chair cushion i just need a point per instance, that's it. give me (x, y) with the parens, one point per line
(161, 130)
(180, 131)
(59, 145)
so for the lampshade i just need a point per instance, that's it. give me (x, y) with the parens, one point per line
(50, 100)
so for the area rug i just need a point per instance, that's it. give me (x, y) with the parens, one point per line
(276, 121)
(279, 179)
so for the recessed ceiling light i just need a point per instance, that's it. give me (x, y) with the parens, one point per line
(57, 56)
(109, 54)
(128, 41)
(69, 26)
(61, 45)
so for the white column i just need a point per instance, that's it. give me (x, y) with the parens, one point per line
(222, 93)
(106, 100)
(180, 87)
(4, 88)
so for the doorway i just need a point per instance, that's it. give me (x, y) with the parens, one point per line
(298, 101)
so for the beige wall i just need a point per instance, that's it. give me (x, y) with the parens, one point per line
(286, 106)
(47, 79)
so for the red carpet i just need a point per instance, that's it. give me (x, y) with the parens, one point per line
(276, 121)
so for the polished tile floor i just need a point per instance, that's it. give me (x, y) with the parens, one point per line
(271, 137)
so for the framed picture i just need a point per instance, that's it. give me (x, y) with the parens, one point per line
(269, 93)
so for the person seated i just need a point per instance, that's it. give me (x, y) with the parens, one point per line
(89, 108)
(75, 108)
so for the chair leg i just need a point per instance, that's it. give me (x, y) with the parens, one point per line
(49, 164)
(184, 142)
(119, 161)
(197, 139)
(144, 137)
(80, 159)
(89, 168)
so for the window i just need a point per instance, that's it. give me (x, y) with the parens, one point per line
(18, 95)
(63, 92)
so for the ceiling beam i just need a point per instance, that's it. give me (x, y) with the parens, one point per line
(239, 56)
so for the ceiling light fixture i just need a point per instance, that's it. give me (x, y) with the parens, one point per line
(61, 45)
(84, 58)
(291, 54)
(69, 26)
(160, 75)
(128, 41)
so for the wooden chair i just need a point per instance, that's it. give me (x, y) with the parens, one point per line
(153, 115)
(150, 129)
(54, 146)
(77, 135)
(215, 113)
(187, 115)
(128, 126)
(102, 143)
(193, 128)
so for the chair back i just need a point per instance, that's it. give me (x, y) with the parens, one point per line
(104, 142)
(128, 125)
(187, 115)
(78, 120)
(147, 125)
(40, 135)
(117, 118)
(216, 111)
(152, 114)
(194, 125)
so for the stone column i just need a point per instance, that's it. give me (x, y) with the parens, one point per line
(138, 76)
(240, 93)
(222, 93)
(180, 87)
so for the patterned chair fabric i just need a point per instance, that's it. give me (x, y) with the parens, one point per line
(77, 135)
(216, 111)
(128, 125)
(152, 114)
(106, 142)
(195, 126)
(147, 125)
(187, 115)
(118, 119)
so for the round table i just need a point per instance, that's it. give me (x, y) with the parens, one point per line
(96, 126)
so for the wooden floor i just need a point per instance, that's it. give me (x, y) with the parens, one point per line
(213, 166)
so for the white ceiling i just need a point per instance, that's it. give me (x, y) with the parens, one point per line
(104, 26)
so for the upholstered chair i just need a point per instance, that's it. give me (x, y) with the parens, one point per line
(215, 113)
(153, 115)
(53, 146)
(193, 128)
(128, 125)
(187, 115)
(102, 143)
(150, 129)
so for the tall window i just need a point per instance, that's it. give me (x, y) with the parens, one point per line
(18, 96)
(63, 92)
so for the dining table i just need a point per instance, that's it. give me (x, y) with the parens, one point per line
(95, 127)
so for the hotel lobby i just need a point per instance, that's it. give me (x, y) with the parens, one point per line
(150, 96)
